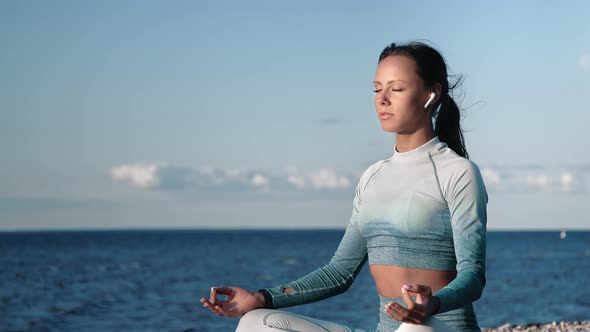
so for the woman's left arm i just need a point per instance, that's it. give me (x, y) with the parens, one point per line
(467, 200)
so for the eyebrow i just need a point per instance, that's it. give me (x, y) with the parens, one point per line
(389, 82)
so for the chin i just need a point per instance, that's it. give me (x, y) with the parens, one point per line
(388, 128)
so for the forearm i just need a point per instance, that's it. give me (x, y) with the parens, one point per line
(465, 289)
(325, 282)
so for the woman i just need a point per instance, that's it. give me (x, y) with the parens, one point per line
(419, 217)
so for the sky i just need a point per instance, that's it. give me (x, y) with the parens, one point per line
(233, 114)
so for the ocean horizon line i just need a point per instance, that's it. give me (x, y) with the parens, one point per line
(253, 229)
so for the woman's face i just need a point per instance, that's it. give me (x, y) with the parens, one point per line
(400, 96)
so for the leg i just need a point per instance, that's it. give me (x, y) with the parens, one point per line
(275, 321)
(437, 323)
(430, 325)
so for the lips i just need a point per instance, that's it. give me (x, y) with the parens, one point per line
(385, 116)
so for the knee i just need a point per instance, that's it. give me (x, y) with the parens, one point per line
(430, 325)
(271, 320)
(253, 320)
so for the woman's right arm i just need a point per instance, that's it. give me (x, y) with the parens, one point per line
(331, 279)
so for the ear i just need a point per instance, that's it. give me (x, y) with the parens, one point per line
(438, 89)
(434, 95)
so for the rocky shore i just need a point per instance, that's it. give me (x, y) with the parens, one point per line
(575, 326)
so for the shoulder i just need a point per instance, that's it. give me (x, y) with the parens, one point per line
(453, 165)
(457, 173)
(369, 173)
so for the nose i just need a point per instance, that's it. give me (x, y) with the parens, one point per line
(382, 99)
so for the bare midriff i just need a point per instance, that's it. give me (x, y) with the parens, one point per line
(389, 279)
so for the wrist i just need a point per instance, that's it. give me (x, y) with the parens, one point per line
(435, 300)
(266, 298)
(261, 301)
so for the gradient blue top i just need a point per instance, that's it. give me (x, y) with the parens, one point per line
(425, 208)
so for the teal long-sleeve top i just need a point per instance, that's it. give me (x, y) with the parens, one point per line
(426, 209)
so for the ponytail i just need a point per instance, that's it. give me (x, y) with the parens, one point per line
(448, 126)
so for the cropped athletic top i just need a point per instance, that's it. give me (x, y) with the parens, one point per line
(426, 209)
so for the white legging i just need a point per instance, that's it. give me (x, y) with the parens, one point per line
(276, 320)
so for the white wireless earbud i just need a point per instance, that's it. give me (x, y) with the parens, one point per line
(432, 96)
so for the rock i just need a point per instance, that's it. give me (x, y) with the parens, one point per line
(575, 326)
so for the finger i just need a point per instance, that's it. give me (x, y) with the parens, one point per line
(418, 289)
(213, 296)
(211, 307)
(399, 317)
(423, 292)
(415, 314)
(229, 291)
(421, 299)
(408, 299)
(405, 315)
(224, 311)
(416, 307)
(392, 313)
(224, 290)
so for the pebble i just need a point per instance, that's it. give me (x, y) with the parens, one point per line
(575, 326)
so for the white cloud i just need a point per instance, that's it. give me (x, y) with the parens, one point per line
(259, 180)
(490, 176)
(517, 179)
(168, 177)
(331, 121)
(232, 172)
(139, 175)
(584, 62)
(328, 179)
(567, 178)
(540, 181)
(297, 181)
(567, 181)
(500, 178)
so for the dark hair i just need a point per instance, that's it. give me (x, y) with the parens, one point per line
(433, 69)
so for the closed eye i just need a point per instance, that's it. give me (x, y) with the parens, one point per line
(395, 90)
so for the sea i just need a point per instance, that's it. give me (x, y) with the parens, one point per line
(152, 280)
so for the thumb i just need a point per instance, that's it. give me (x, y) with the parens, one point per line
(421, 299)
(423, 292)
(419, 289)
(229, 291)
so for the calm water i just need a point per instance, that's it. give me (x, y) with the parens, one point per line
(152, 280)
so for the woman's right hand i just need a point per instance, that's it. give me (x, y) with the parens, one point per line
(239, 301)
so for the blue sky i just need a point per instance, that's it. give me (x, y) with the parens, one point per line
(126, 114)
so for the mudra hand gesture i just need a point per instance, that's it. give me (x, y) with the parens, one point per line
(416, 312)
(238, 302)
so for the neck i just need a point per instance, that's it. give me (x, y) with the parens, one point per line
(407, 142)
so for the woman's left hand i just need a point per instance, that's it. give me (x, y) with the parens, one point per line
(425, 305)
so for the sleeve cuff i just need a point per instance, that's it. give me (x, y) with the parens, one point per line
(267, 298)
(448, 299)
